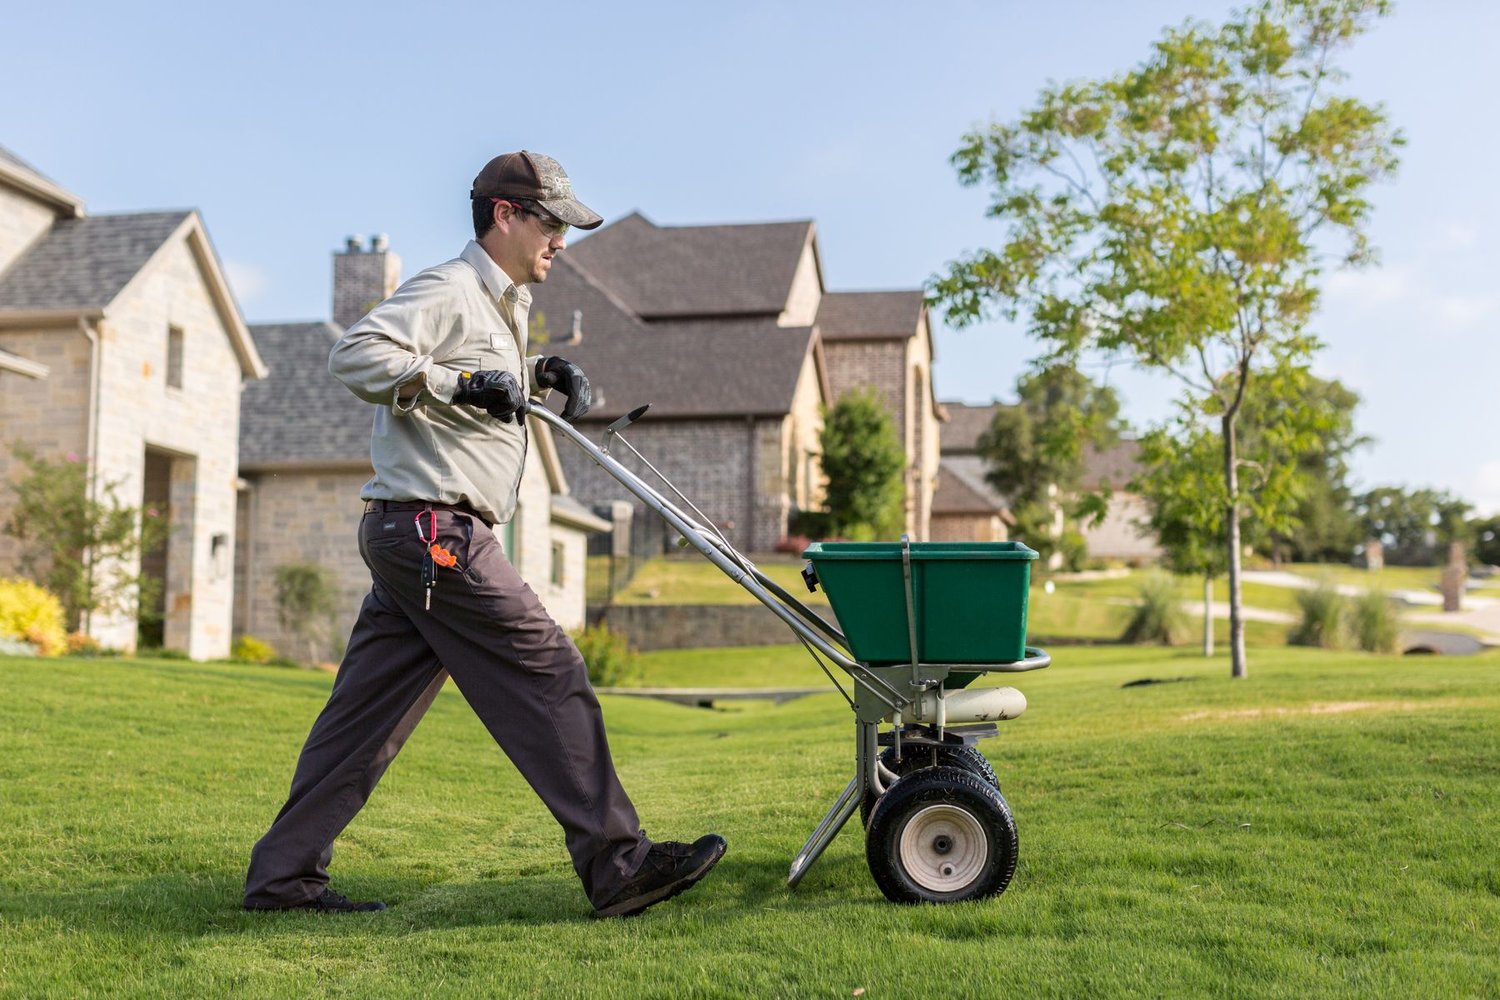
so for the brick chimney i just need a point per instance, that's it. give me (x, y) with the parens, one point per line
(362, 278)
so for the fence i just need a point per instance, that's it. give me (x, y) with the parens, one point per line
(638, 536)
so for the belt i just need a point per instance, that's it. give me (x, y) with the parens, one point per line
(381, 506)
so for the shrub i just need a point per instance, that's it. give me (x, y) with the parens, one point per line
(1158, 616)
(306, 603)
(248, 649)
(1374, 622)
(609, 657)
(32, 615)
(1323, 616)
(795, 544)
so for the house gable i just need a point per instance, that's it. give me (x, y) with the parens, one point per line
(690, 272)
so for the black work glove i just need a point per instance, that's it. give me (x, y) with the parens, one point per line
(498, 393)
(568, 379)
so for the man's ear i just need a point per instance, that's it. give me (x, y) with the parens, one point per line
(503, 214)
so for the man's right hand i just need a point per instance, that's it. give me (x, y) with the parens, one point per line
(496, 392)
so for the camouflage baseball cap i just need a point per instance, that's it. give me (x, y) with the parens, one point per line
(538, 178)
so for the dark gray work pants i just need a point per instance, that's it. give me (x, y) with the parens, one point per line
(519, 672)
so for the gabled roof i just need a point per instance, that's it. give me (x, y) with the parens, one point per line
(1116, 465)
(870, 315)
(665, 271)
(80, 266)
(709, 368)
(301, 415)
(960, 435)
(962, 488)
(83, 264)
(22, 175)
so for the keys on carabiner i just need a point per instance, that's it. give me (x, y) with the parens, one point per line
(429, 578)
(429, 568)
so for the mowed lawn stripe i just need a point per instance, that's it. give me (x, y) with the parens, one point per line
(1326, 828)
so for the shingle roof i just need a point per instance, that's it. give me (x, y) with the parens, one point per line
(868, 315)
(960, 435)
(962, 489)
(661, 271)
(85, 263)
(1116, 465)
(717, 367)
(299, 413)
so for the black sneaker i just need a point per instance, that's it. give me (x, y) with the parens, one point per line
(329, 902)
(669, 868)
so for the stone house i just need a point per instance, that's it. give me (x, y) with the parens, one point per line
(304, 454)
(727, 331)
(120, 343)
(967, 508)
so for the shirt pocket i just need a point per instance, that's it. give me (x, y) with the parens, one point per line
(502, 352)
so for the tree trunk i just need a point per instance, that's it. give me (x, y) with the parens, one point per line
(1237, 666)
(1208, 615)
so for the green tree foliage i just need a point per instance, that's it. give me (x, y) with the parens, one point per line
(1415, 526)
(1035, 453)
(862, 463)
(78, 539)
(1486, 534)
(1178, 215)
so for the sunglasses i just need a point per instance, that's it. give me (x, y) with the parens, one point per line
(551, 226)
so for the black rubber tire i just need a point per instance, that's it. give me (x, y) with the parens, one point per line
(941, 835)
(914, 758)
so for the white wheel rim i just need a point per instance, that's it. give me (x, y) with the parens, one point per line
(943, 848)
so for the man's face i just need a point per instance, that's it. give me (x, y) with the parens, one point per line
(532, 239)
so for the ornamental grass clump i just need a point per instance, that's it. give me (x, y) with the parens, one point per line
(1374, 622)
(1323, 621)
(1158, 616)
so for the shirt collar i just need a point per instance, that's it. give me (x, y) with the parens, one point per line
(496, 281)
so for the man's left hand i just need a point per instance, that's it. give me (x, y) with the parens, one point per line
(568, 379)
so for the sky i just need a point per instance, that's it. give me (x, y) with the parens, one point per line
(292, 126)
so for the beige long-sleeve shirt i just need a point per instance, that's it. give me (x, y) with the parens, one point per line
(465, 315)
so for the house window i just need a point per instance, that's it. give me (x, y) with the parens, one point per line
(174, 356)
(559, 564)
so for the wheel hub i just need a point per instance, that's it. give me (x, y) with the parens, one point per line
(943, 848)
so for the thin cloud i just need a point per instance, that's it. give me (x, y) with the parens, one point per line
(247, 280)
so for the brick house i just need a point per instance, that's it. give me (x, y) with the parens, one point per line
(968, 508)
(304, 454)
(728, 332)
(121, 343)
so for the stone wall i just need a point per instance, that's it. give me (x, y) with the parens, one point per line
(806, 293)
(22, 220)
(968, 528)
(198, 424)
(685, 626)
(707, 460)
(48, 415)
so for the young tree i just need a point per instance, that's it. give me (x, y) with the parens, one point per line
(1035, 451)
(1179, 214)
(78, 537)
(862, 462)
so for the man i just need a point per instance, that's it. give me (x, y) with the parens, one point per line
(443, 357)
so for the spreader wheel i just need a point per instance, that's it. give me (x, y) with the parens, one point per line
(915, 757)
(941, 835)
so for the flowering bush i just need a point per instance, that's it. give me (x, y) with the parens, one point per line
(31, 614)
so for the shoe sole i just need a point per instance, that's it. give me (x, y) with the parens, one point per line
(631, 907)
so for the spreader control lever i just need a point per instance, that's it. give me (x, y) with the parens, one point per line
(810, 577)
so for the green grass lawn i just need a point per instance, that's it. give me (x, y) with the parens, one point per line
(1327, 828)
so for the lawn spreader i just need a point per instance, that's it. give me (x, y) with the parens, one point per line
(917, 623)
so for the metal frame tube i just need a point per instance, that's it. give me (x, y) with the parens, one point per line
(713, 550)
